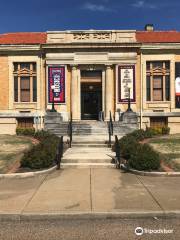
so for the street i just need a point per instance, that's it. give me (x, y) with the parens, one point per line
(103, 229)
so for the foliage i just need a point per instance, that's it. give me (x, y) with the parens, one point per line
(25, 131)
(42, 135)
(165, 130)
(144, 158)
(41, 155)
(138, 155)
(150, 132)
(127, 146)
(138, 135)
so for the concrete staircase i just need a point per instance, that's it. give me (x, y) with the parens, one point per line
(88, 152)
(89, 146)
(54, 124)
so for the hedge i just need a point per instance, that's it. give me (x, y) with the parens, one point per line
(144, 158)
(139, 156)
(43, 154)
(25, 131)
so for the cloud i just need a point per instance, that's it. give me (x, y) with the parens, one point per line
(96, 7)
(143, 4)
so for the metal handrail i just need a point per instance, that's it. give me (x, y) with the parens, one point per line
(70, 130)
(110, 128)
(109, 133)
(111, 123)
(59, 152)
(117, 151)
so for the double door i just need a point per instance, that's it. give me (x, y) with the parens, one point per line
(91, 102)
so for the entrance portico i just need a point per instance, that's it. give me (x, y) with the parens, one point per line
(102, 91)
(85, 98)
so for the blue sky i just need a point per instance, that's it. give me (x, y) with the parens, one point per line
(43, 15)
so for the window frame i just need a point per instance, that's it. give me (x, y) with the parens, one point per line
(152, 72)
(29, 72)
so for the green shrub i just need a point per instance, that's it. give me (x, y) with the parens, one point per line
(150, 132)
(128, 145)
(157, 130)
(165, 130)
(25, 131)
(144, 158)
(41, 155)
(139, 134)
(42, 134)
(140, 156)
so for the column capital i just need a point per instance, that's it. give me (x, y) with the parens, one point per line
(108, 66)
(74, 66)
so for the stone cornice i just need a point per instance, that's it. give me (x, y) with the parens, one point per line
(90, 45)
(160, 46)
(12, 48)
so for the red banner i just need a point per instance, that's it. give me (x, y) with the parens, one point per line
(56, 78)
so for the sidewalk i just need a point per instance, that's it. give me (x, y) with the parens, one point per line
(89, 191)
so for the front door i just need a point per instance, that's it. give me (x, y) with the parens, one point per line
(91, 94)
(91, 104)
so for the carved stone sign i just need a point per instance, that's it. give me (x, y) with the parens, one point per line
(92, 36)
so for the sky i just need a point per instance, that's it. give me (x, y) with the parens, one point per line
(48, 15)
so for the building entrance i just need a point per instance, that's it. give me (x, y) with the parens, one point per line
(91, 94)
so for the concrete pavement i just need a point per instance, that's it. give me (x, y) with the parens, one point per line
(89, 191)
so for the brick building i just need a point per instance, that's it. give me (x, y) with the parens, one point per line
(92, 72)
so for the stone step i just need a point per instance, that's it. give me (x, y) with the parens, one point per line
(86, 145)
(90, 157)
(86, 150)
(87, 165)
(69, 154)
(73, 160)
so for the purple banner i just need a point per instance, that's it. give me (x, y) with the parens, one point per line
(56, 77)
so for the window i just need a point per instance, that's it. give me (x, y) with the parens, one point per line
(177, 84)
(158, 122)
(158, 81)
(25, 82)
(157, 88)
(25, 122)
(25, 89)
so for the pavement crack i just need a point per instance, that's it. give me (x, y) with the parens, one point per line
(150, 193)
(34, 194)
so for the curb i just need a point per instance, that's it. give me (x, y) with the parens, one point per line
(89, 215)
(27, 174)
(151, 174)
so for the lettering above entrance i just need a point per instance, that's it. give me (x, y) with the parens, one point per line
(91, 36)
(126, 83)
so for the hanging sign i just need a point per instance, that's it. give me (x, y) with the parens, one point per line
(178, 86)
(56, 77)
(126, 79)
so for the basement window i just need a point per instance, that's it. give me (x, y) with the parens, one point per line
(25, 122)
(158, 122)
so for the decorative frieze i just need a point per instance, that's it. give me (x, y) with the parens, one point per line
(91, 36)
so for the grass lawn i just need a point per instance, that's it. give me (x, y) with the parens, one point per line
(169, 147)
(11, 151)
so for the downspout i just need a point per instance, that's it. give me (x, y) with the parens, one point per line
(141, 93)
(41, 92)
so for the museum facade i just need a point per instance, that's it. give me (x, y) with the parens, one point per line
(90, 73)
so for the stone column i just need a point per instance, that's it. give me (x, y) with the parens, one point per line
(74, 93)
(108, 91)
